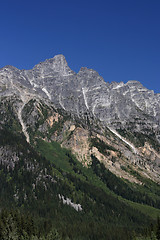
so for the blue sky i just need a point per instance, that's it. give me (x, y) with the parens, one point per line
(118, 38)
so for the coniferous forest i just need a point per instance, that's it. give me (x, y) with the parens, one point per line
(31, 207)
(46, 193)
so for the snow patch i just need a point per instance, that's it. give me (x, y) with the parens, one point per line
(84, 90)
(68, 201)
(124, 140)
(68, 74)
(46, 92)
(119, 86)
(93, 109)
(24, 99)
(60, 102)
(22, 123)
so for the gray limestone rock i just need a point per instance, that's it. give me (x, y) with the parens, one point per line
(86, 92)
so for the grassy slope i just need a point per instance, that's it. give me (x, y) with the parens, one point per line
(61, 158)
(147, 210)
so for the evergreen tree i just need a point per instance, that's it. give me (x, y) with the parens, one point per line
(158, 229)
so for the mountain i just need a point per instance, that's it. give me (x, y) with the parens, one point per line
(75, 149)
(83, 92)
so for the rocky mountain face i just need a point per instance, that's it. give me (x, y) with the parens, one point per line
(50, 117)
(83, 92)
(124, 117)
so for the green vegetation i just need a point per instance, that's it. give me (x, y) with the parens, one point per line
(145, 209)
(102, 146)
(100, 176)
(8, 118)
(32, 178)
(151, 233)
(139, 139)
(147, 194)
(16, 225)
(54, 171)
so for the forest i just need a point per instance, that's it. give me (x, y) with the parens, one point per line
(31, 209)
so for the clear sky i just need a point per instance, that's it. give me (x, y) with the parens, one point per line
(118, 38)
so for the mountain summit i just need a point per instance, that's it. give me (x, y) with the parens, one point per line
(84, 92)
(85, 96)
(74, 150)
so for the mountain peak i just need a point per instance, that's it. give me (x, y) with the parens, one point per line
(56, 64)
(60, 57)
(133, 82)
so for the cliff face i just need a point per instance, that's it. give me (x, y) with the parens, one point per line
(116, 122)
(83, 92)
